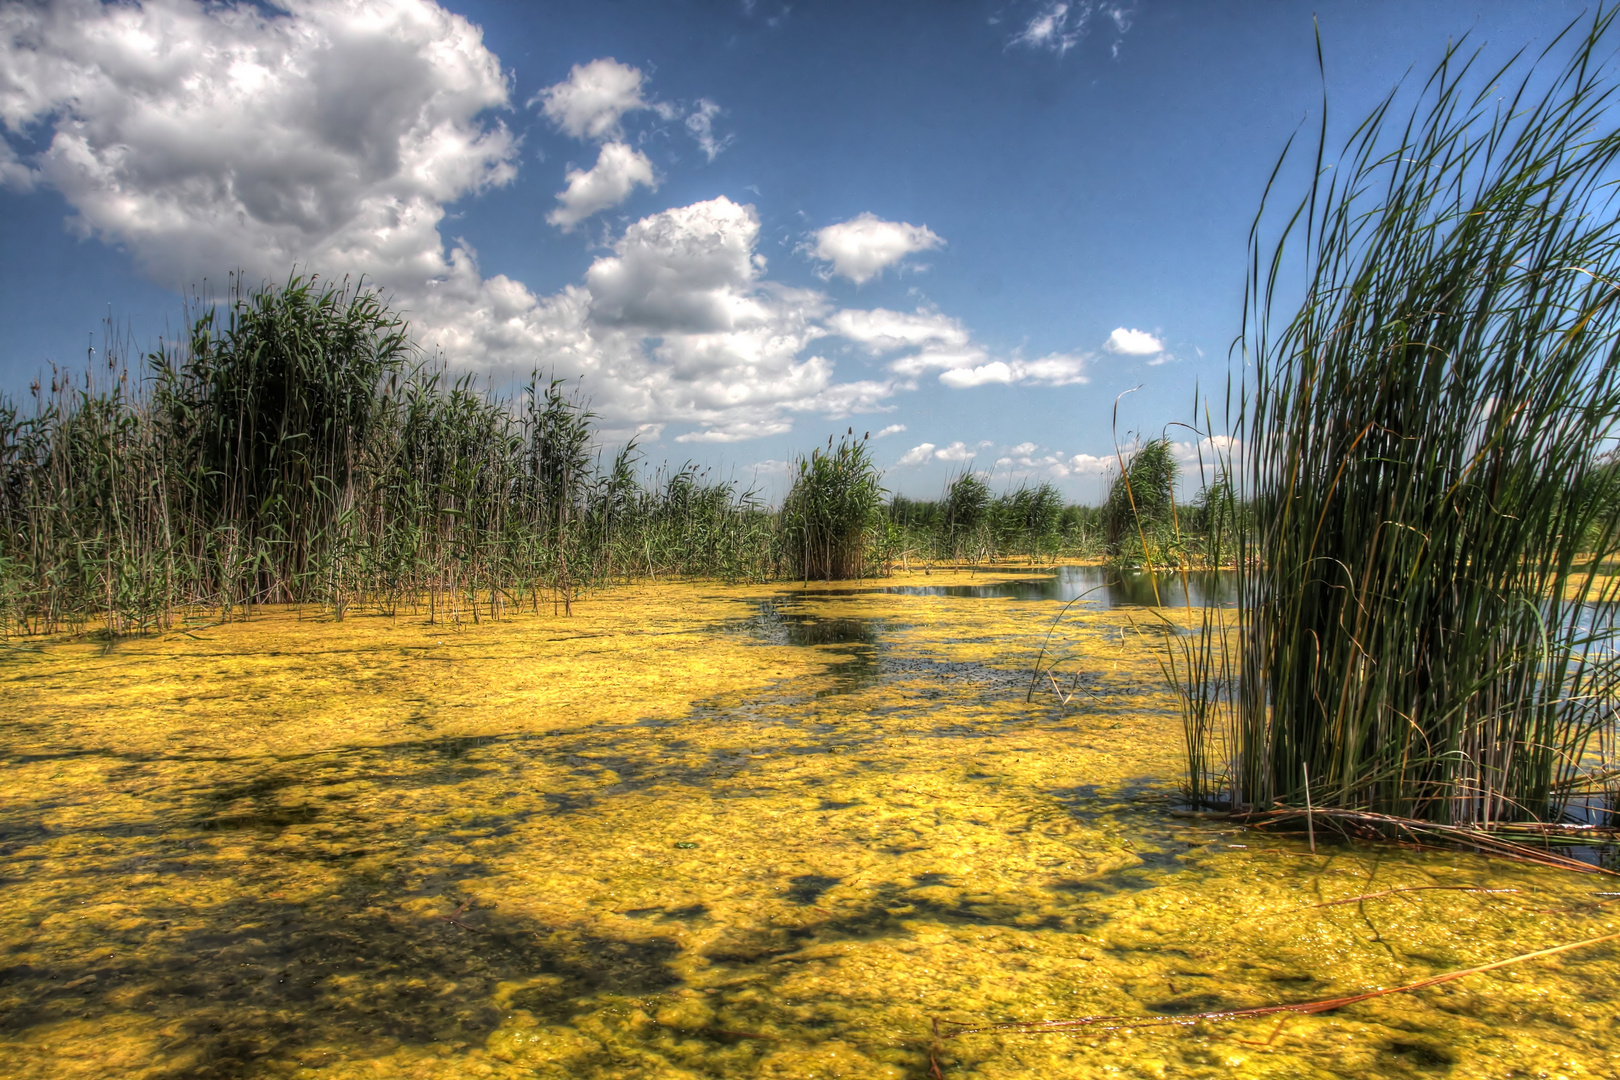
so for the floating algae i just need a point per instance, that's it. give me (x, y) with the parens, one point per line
(707, 831)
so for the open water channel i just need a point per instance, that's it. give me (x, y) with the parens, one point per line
(710, 831)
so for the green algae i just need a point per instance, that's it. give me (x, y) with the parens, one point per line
(706, 831)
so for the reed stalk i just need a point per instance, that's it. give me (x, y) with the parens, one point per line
(1424, 441)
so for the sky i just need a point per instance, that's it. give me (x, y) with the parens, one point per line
(966, 227)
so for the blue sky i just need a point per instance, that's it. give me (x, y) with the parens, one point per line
(744, 226)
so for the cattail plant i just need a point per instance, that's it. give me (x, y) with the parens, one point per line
(1432, 381)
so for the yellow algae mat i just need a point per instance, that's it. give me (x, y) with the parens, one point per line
(710, 831)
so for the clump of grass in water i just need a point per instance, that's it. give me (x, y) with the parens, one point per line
(1419, 446)
(834, 502)
(1139, 519)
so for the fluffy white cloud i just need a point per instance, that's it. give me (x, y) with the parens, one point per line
(205, 137)
(596, 97)
(678, 324)
(917, 454)
(593, 99)
(959, 451)
(926, 452)
(892, 429)
(864, 246)
(1091, 465)
(618, 169)
(1133, 343)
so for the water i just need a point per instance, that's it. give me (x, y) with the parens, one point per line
(707, 831)
(1097, 586)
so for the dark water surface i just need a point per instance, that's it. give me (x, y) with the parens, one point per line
(1102, 587)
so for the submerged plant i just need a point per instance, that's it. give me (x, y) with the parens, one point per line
(1424, 625)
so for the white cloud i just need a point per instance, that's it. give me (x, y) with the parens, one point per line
(1056, 369)
(935, 342)
(617, 171)
(926, 452)
(959, 451)
(593, 99)
(1212, 449)
(1091, 465)
(1058, 25)
(700, 124)
(881, 330)
(864, 246)
(1133, 343)
(206, 137)
(892, 429)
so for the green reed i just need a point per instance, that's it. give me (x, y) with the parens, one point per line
(293, 447)
(829, 514)
(1429, 404)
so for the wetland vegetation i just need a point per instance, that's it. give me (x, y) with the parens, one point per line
(416, 738)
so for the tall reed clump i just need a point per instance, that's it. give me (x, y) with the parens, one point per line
(1140, 518)
(828, 514)
(292, 447)
(1424, 624)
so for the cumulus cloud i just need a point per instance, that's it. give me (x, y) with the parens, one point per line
(892, 429)
(1059, 25)
(1090, 465)
(1125, 342)
(206, 136)
(865, 245)
(956, 452)
(593, 99)
(618, 169)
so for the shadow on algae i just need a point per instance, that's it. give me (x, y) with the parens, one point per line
(699, 831)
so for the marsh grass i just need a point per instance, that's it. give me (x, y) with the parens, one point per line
(831, 509)
(293, 446)
(1422, 451)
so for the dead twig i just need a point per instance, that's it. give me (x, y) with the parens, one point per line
(454, 918)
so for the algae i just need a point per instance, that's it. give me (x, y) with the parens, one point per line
(697, 830)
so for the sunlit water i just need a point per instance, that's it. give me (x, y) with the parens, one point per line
(699, 831)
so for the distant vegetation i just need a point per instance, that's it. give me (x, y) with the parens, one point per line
(292, 448)
(1424, 627)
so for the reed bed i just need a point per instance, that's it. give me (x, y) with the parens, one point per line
(293, 446)
(1424, 462)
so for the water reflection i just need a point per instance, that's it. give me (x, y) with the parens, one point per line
(1103, 587)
